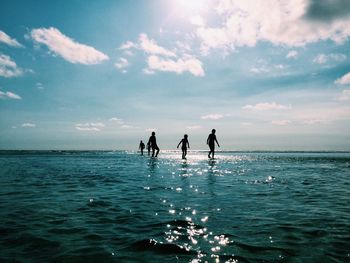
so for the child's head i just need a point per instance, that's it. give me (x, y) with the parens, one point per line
(153, 133)
(185, 136)
(213, 131)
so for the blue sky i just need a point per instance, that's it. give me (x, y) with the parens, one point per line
(267, 75)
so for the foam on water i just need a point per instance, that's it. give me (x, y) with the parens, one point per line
(122, 207)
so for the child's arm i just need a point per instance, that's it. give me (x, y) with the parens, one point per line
(217, 142)
(179, 144)
(188, 144)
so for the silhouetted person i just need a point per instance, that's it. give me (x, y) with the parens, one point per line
(141, 147)
(153, 143)
(211, 142)
(148, 148)
(184, 145)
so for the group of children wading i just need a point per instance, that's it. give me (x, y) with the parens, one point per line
(152, 144)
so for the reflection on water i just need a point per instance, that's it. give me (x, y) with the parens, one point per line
(121, 207)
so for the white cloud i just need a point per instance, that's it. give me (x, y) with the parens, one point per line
(128, 53)
(259, 69)
(292, 54)
(262, 66)
(9, 68)
(151, 129)
(344, 80)
(320, 59)
(122, 64)
(147, 71)
(151, 47)
(163, 59)
(28, 125)
(280, 22)
(66, 47)
(39, 85)
(8, 40)
(197, 20)
(89, 126)
(314, 121)
(281, 122)
(266, 106)
(323, 58)
(10, 95)
(178, 66)
(117, 120)
(128, 45)
(194, 127)
(183, 46)
(345, 96)
(212, 117)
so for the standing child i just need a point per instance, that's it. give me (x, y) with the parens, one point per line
(141, 147)
(185, 143)
(153, 143)
(211, 142)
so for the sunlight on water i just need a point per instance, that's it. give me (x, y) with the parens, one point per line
(122, 207)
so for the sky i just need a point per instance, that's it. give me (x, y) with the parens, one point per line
(86, 75)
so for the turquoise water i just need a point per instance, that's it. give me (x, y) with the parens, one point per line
(122, 207)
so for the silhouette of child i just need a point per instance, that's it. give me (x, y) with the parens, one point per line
(211, 142)
(141, 147)
(185, 143)
(153, 143)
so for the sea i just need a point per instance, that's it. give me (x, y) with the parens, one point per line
(119, 206)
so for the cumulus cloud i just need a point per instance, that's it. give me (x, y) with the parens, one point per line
(28, 125)
(214, 116)
(128, 45)
(344, 80)
(8, 40)
(66, 47)
(89, 126)
(163, 59)
(9, 68)
(148, 45)
(323, 58)
(345, 96)
(281, 122)
(122, 64)
(292, 54)
(151, 47)
(10, 95)
(179, 66)
(280, 22)
(266, 106)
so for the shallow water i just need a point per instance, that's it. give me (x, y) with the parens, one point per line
(122, 207)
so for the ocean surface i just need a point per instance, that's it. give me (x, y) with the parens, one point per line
(116, 206)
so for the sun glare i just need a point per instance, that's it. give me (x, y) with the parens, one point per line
(190, 7)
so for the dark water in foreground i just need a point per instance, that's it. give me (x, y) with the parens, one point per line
(121, 207)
